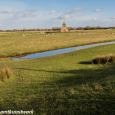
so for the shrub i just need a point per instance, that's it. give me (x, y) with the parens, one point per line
(5, 74)
(96, 60)
(100, 60)
(103, 59)
(111, 58)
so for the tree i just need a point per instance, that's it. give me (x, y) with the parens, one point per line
(98, 27)
(80, 28)
(88, 28)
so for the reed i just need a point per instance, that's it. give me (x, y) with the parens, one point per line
(5, 74)
(104, 59)
(111, 58)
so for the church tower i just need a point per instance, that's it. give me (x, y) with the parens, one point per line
(64, 25)
(64, 29)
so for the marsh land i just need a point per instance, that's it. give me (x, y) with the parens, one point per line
(63, 84)
(18, 43)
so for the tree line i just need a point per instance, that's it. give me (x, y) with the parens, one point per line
(58, 29)
(84, 28)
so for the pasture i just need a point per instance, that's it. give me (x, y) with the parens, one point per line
(12, 44)
(63, 84)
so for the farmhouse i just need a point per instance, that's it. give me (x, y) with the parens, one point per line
(64, 29)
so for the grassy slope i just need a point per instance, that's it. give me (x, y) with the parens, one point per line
(65, 84)
(15, 44)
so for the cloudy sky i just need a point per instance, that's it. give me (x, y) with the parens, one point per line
(20, 14)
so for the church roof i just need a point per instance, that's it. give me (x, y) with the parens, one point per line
(64, 23)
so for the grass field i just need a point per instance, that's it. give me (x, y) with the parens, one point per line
(12, 44)
(63, 84)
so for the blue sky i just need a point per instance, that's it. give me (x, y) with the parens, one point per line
(20, 14)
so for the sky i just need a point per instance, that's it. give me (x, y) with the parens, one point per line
(43, 14)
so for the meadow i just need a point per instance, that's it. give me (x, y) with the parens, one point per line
(12, 44)
(63, 84)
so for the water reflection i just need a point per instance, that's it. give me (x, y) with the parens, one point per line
(49, 53)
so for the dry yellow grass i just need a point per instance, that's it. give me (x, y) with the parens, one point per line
(15, 44)
(5, 59)
(5, 74)
(104, 59)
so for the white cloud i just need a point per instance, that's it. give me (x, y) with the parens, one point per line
(95, 19)
(70, 14)
(76, 10)
(63, 16)
(53, 11)
(31, 10)
(29, 13)
(97, 10)
(25, 14)
(6, 11)
(66, 16)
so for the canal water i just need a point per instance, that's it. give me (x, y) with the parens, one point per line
(49, 53)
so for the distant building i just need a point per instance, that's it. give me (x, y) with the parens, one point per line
(64, 29)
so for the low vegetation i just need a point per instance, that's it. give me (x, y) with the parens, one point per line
(20, 43)
(5, 74)
(104, 59)
(5, 59)
(63, 84)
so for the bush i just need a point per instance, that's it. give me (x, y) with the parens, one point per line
(111, 58)
(96, 60)
(5, 74)
(103, 59)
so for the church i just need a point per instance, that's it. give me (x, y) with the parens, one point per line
(64, 28)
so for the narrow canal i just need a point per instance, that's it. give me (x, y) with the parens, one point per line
(49, 53)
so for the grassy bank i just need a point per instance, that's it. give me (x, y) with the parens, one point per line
(65, 84)
(12, 44)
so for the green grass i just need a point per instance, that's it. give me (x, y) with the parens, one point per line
(67, 84)
(13, 44)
